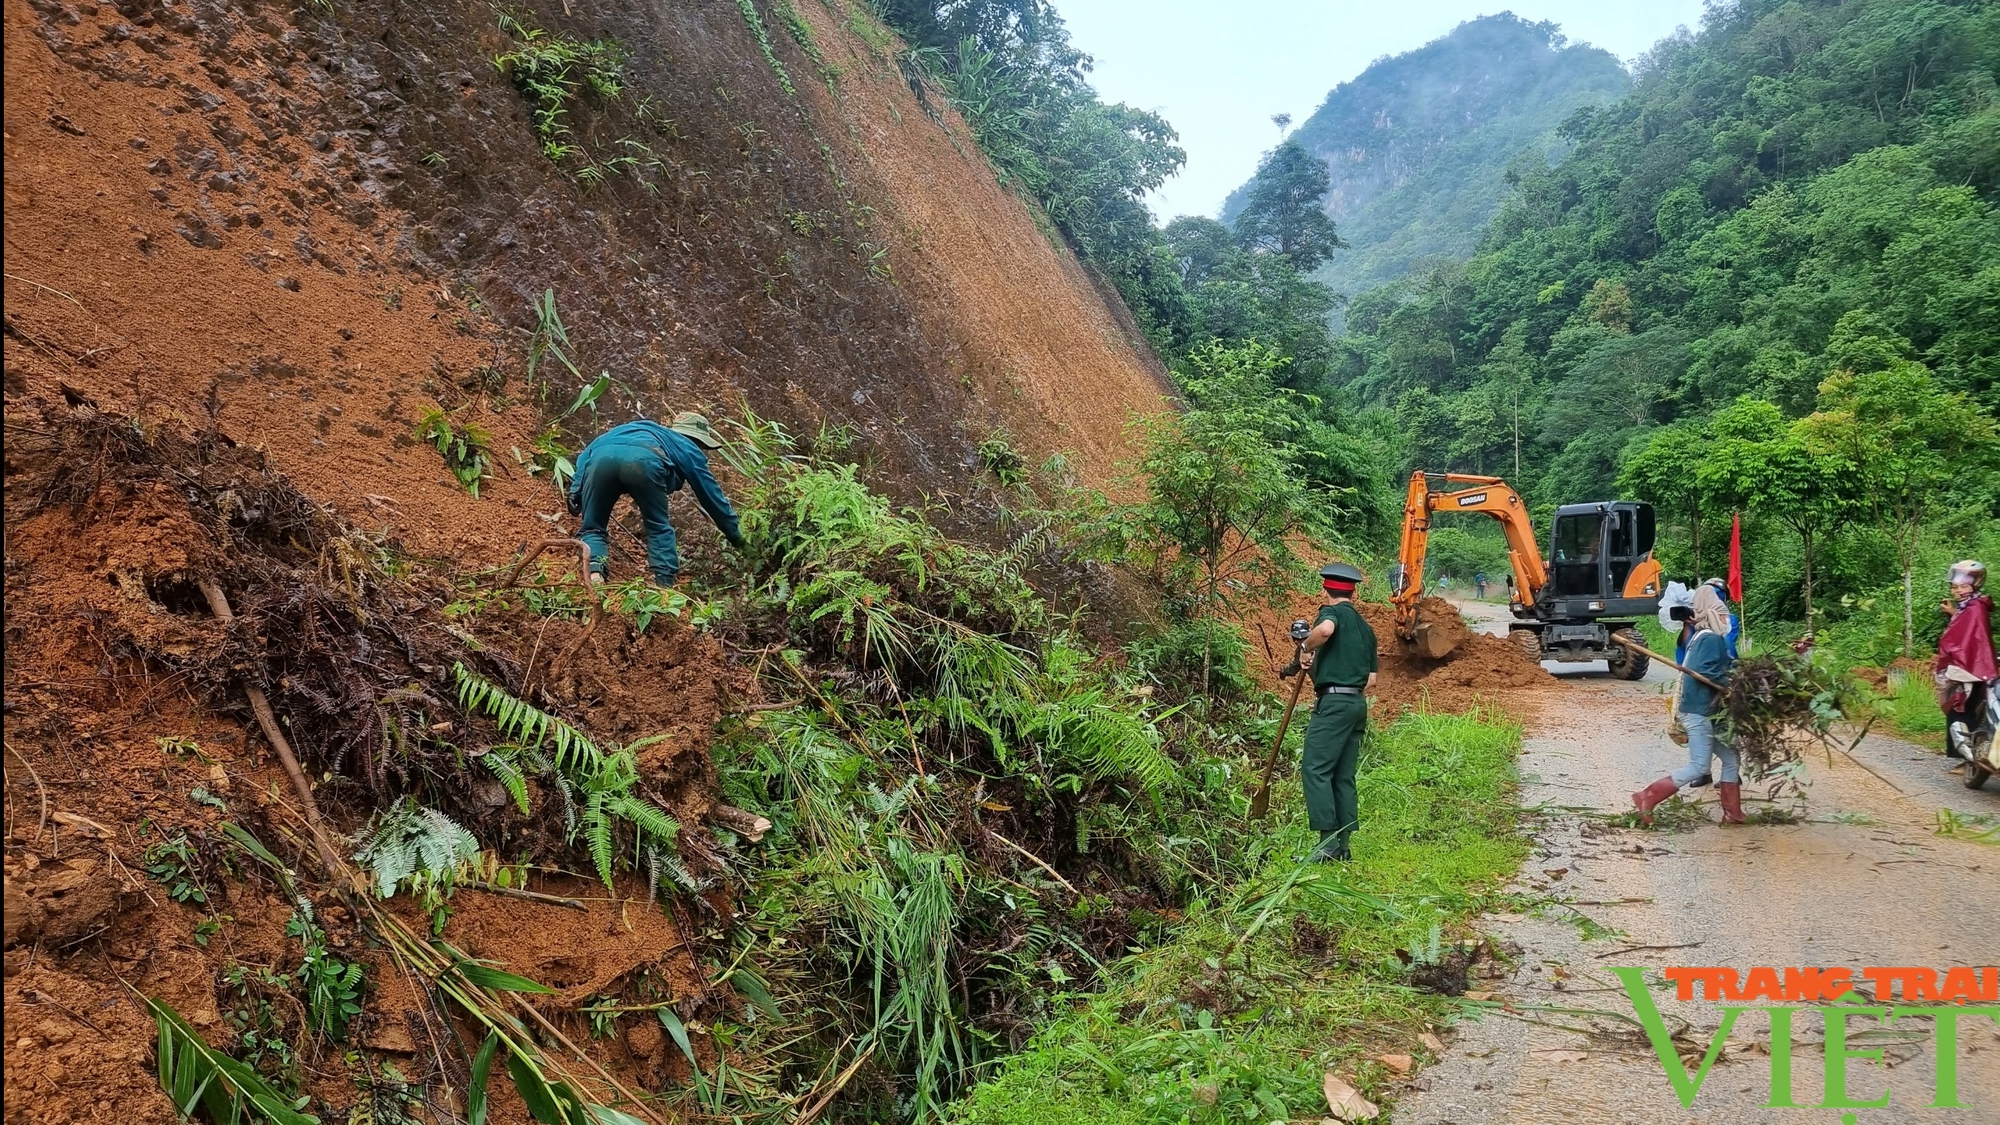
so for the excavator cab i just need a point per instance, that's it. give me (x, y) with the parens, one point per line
(1600, 569)
(1598, 560)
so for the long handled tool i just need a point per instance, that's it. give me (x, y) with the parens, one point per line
(1260, 801)
(1639, 648)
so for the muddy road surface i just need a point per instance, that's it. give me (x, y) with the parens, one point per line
(1864, 879)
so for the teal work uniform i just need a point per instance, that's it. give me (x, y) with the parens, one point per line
(648, 462)
(1333, 738)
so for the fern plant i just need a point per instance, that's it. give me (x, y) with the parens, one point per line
(601, 784)
(332, 986)
(422, 847)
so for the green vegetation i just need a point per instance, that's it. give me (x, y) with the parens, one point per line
(199, 1078)
(332, 986)
(559, 74)
(173, 864)
(465, 448)
(1763, 282)
(763, 37)
(598, 786)
(555, 71)
(1293, 972)
(1421, 143)
(1224, 502)
(255, 1005)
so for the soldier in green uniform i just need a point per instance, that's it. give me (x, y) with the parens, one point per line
(1340, 652)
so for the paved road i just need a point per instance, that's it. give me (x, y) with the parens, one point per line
(1865, 880)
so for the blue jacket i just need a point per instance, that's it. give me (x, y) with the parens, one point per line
(1711, 655)
(685, 461)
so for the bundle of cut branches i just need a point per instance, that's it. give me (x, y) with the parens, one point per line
(1775, 707)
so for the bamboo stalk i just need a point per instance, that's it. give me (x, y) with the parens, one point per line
(1037, 861)
(530, 896)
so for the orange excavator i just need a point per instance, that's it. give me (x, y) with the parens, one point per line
(1598, 578)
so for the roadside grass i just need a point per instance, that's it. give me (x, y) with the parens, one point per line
(1911, 708)
(1299, 970)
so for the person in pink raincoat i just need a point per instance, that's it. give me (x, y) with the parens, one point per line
(1965, 669)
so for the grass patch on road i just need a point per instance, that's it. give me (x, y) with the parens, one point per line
(1299, 970)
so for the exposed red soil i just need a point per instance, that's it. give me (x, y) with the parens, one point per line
(1066, 369)
(295, 231)
(1483, 671)
(114, 743)
(174, 255)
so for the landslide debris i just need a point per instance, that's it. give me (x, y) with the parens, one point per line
(1480, 670)
(125, 699)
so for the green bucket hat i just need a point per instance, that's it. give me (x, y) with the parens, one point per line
(696, 428)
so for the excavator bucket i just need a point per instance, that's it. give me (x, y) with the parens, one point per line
(1431, 642)
(1439, 629)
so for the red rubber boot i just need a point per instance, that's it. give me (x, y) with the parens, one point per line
(1645, 800)
(1732, 801)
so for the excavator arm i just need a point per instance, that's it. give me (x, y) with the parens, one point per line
(1490, 496)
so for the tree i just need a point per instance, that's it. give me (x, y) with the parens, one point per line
(1284, 213)
(1224, 501)
(1760, 463)
(1908, 440)
(1661, 469)
(1507, 386)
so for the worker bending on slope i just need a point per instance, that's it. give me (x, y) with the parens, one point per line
(648, 462)
(1340, 651)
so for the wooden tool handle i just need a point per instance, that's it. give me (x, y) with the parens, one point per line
(1637, 647)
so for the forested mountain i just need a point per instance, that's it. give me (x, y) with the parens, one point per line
(1418, 145)
(1795, 205)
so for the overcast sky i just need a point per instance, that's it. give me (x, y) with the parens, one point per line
(1218, 70)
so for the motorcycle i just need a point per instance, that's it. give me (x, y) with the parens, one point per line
(1979, 742)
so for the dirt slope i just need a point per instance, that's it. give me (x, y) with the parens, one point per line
(289, 232)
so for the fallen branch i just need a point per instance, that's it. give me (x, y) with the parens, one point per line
(260, 706)
(819, 1107)
(590, 593)
(741, 821)
(1036, 860)
(530, 896)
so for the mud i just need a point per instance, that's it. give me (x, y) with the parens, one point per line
(122, 704)
(1481, 671)
(1864, 880)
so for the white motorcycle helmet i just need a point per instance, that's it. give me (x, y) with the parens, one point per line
(1970, 571)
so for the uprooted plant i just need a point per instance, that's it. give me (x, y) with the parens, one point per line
(1775, 707)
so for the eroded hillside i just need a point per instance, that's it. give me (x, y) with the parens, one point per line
(317, 225)
(251, 249)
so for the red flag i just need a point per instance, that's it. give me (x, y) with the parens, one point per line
(1736, 558)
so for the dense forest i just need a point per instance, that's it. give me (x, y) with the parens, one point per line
(1779, 248)
(1766, 281)
(1419, 144)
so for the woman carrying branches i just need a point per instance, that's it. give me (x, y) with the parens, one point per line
(1709, 660)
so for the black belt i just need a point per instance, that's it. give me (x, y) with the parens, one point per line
(1339, 689)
